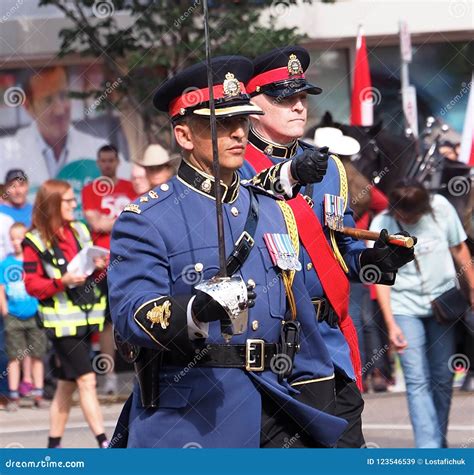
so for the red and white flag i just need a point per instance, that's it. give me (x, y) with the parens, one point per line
(466, 154)
(363, 97)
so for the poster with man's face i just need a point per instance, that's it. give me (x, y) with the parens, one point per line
(49, 135)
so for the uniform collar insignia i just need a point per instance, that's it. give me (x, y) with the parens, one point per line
(271, 148)
(204, 183)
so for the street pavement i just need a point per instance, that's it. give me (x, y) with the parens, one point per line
(386, 422)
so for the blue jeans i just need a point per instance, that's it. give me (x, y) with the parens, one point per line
(428, 377)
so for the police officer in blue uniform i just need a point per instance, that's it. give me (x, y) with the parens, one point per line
(280, 88)
(195, 387)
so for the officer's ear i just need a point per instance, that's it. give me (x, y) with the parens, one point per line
(182, 134)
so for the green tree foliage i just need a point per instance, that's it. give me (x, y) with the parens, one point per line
(143, 42)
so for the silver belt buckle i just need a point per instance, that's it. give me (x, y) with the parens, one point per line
(251, 345)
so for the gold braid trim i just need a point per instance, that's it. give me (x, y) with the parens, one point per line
(289, 275)
(343, 192)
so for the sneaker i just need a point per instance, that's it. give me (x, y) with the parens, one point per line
(105, 444)
(13, 405)
(110, 384)
(25, 389)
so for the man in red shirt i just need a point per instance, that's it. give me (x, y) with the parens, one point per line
(103, 200)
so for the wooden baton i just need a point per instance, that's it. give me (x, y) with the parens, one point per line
(396, 239)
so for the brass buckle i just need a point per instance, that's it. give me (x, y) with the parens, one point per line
(317, 306)
(252, 345)
(245, 235)
(309, 200)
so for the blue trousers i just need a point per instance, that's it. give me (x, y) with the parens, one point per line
(428, 377)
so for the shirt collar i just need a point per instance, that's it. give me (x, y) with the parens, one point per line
(205, 184)
(271, 148)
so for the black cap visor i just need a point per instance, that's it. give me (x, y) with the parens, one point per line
(285, 89)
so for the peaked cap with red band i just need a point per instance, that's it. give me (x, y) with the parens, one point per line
(280, 73)
(187, 92)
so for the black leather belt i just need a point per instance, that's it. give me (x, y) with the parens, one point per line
(255, 355)
(325, 312)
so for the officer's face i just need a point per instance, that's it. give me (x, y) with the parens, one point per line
(195, 137)
(284, 119)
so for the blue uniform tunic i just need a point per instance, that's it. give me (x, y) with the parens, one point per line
(156, 247)
(350, 249)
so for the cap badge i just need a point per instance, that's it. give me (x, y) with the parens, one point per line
(294, 65)
(231, 86)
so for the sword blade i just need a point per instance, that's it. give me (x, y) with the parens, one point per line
(215, 153)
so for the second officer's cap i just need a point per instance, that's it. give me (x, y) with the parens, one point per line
(187, 92)
(280, 73)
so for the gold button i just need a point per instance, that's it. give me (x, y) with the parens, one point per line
(198, 267)
(309, 266)
(234, 211)
(255, 325)
(164, 187)
(251, 283)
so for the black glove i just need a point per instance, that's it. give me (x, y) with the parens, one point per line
(310, 166)
(206, 309)
(385, 256)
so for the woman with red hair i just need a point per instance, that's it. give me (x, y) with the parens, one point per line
(70, 306)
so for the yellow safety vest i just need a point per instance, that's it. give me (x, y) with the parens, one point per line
(58, 313)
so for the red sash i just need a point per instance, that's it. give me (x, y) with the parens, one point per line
(333, 279)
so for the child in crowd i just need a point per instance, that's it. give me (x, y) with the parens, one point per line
(23, 338)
